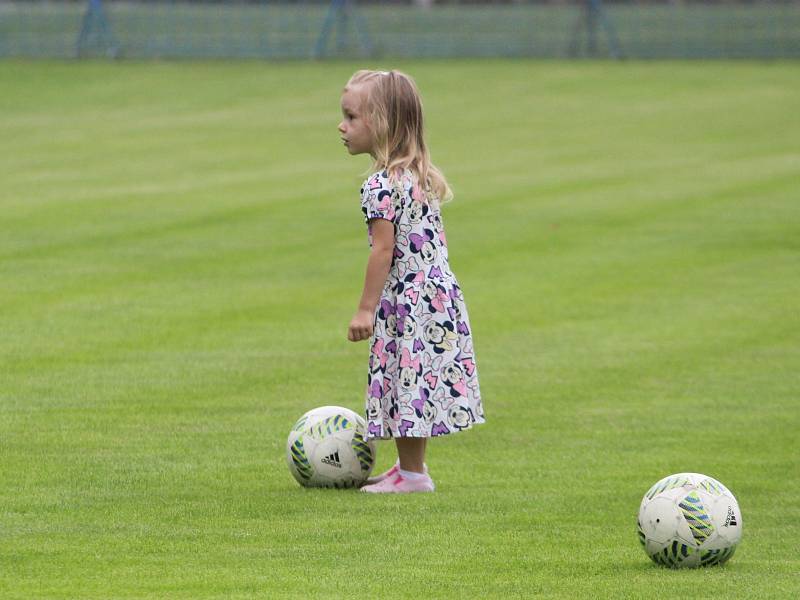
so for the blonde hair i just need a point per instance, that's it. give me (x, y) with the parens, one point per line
(393, 109)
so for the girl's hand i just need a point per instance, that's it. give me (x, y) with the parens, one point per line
(361, 326)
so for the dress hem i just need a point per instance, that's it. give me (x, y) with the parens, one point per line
(394, 437)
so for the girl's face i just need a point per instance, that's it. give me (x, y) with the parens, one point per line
(355, 132)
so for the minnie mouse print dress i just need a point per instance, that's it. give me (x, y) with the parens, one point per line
(423, 381)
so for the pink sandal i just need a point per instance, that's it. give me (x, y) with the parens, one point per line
(393, 471)
(397, 484)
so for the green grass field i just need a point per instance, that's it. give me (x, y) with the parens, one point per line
(181, 250)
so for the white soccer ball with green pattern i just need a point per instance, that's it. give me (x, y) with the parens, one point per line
(327, 447)
(689, 520)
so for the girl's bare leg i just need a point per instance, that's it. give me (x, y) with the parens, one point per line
(411, 452)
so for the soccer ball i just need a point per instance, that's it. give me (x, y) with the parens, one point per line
(689, 520)
(327, 447)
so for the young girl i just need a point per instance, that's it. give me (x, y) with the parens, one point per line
(422, 377)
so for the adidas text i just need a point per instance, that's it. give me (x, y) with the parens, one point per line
(332, 460)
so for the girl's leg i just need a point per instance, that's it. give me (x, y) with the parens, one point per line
(393, 469)
(412, 476)
(411, 452)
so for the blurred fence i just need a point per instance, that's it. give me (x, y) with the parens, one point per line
(414, 28)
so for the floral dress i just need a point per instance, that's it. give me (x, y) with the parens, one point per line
(423, 381)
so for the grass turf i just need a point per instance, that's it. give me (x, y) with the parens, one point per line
(182, 249)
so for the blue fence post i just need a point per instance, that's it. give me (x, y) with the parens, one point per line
(363, 31)
(327, 25)
(611, 34)
(95, 16)
(593, 11)
(340, 11)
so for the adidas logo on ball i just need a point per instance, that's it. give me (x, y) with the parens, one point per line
(332, 460)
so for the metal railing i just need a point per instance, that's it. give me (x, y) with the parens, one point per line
(346, 28)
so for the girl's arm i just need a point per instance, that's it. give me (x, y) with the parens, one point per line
(380, 261)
